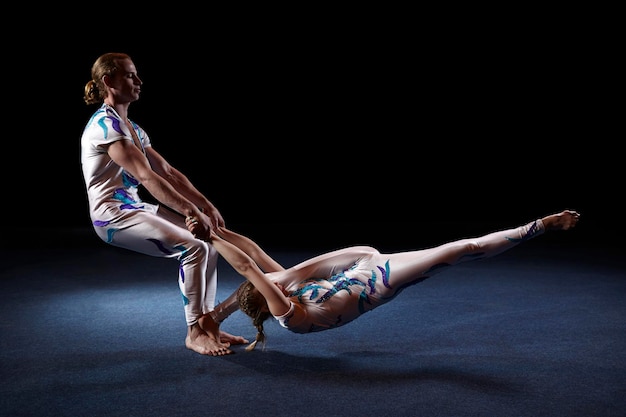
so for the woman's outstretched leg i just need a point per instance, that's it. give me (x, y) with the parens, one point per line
(410, 267)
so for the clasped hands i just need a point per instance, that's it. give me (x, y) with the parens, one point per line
(198, 229)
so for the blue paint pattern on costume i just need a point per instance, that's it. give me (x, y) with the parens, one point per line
(160, 246)
(129, 180)
(341, 282)
(115, 122)
(102, 124)
(181, 272)
(372, 282)
(129, 203)
(532, 231)
(110, 234)
(185, 299)
(314, 288)
(385, 274)
(363, 299)
(122, 195)
(130, 207)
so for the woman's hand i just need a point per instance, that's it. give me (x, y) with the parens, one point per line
(200, 230)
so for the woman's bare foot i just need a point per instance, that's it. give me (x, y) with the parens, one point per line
(561, 221)
(204, 343)
(230, 339)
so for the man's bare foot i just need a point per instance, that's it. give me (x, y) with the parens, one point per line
(203, 343)
(213, 330)
(229, 339)
(561, 221)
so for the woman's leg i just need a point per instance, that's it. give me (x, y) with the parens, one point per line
(406, 268)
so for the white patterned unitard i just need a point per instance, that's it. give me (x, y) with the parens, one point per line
(122, 219)
(333, 289)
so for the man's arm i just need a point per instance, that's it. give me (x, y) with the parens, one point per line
(128, 156)
(183, 185)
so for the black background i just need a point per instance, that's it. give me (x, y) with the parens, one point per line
(379, 121)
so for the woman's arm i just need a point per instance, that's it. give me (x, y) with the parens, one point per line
(262, 259)
(252, 249)
(243, 264)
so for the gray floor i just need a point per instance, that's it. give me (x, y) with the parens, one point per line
(540, 331)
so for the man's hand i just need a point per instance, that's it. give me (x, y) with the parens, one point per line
(198, 230)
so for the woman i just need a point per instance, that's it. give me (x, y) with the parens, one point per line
(117, 156)
(332, 289)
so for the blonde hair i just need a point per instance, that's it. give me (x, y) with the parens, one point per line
(106, 64)
(251, 302)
